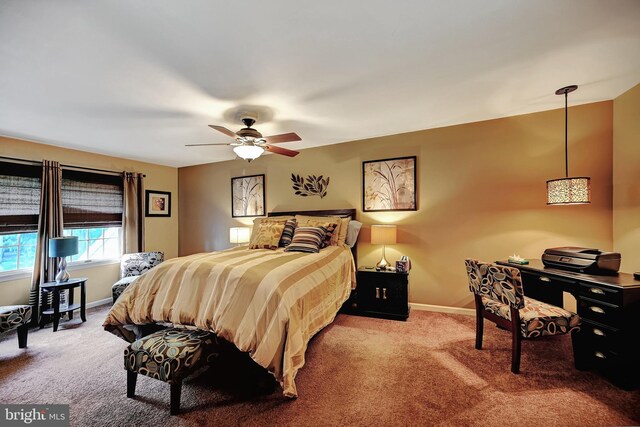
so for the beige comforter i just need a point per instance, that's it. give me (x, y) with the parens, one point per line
(268, 303)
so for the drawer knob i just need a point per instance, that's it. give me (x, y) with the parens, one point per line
(596, 291)
(598, 332)
(599, 355)
(596, 309)
(544, 279)
(377, 293)
(384, 293)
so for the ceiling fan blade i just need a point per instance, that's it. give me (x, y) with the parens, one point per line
(201, 145)
(285, 137)
(224, 130)
(280, 150)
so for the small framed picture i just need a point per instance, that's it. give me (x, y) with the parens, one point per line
(247, 196)
(158, 203)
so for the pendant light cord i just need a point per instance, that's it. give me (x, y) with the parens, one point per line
(566, 134)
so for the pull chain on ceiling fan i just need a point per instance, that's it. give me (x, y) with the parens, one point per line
(249, 144)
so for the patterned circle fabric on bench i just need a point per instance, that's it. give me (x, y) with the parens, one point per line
(171, 354)
(13, 316)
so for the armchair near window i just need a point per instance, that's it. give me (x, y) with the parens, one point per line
(132, 266)
(499, 297)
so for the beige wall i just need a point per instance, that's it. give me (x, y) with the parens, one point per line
(161, 233)
(481, 194)
(626, 178)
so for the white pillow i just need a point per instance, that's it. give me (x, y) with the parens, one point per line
(353, 229)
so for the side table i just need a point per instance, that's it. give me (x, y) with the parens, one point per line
(55, 288)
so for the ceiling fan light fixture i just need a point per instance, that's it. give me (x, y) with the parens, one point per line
(248, 152)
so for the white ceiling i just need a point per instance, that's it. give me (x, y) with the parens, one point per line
(139, 79)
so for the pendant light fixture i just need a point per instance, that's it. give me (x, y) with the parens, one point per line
(568, 190)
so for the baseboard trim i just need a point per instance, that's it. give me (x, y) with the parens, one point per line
(442, 309)
(99, 302)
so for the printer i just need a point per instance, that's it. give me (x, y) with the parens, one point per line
(583, 260)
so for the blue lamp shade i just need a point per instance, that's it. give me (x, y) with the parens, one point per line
(61, 247)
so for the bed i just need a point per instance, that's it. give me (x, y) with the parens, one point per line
(268, 303)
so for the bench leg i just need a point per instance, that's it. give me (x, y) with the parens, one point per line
(131, 383)
(176, 388)
(23, 331)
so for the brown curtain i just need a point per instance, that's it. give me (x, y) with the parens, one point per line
(49, 225)
(133, 213)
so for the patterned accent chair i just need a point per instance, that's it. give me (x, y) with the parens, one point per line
(499, 297)
(132, 266)
(169, 355)
(16, 317)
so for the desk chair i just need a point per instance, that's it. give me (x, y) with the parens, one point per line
(500, 298)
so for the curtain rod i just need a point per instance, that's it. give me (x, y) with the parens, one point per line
(35, 162)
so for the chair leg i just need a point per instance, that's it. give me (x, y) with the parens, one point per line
(131, 383)
(516, 340)
(479, 329)
(23, 331)
(176, 388)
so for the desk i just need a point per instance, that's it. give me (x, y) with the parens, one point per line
(55, 288)
(609, 307)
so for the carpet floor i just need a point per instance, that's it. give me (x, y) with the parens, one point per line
(359, 371)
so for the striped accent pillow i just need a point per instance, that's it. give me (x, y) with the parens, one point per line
(307, 239)
(287, 233)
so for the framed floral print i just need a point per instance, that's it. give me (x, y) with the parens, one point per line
(247, 196)
(389, 185)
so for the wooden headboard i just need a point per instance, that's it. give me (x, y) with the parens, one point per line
(343, 213)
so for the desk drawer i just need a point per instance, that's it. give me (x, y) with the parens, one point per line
(600, 293)
(546, 288)
(600, 337)
(601, 312)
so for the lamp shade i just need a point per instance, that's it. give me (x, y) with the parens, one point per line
(60, 247)
(239, 234)
(569, 191)
(383, 234)
(248, 152)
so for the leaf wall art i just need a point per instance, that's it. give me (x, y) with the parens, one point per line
(311, 186)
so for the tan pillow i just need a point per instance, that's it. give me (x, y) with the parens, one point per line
(258, 221)
(267, 235)
(342, 230)
(339, 234)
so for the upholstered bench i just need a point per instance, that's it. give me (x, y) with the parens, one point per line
(132, 266)
(169, 355)
(16, 317)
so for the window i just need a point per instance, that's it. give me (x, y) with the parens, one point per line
(96, 243)
(17, 251)
(19, 210)
(92, 211)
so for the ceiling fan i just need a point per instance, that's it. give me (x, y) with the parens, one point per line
(249, 144)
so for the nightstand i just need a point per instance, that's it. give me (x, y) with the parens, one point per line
(56, 311)
(382, 294)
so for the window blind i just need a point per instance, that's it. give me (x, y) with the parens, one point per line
(91, 199)
(19, 197)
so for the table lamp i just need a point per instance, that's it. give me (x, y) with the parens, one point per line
(383, 235)
(239, 235)
(62, 247)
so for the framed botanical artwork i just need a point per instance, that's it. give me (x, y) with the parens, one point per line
(389, 185)
(247, 196)
(158, 203)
